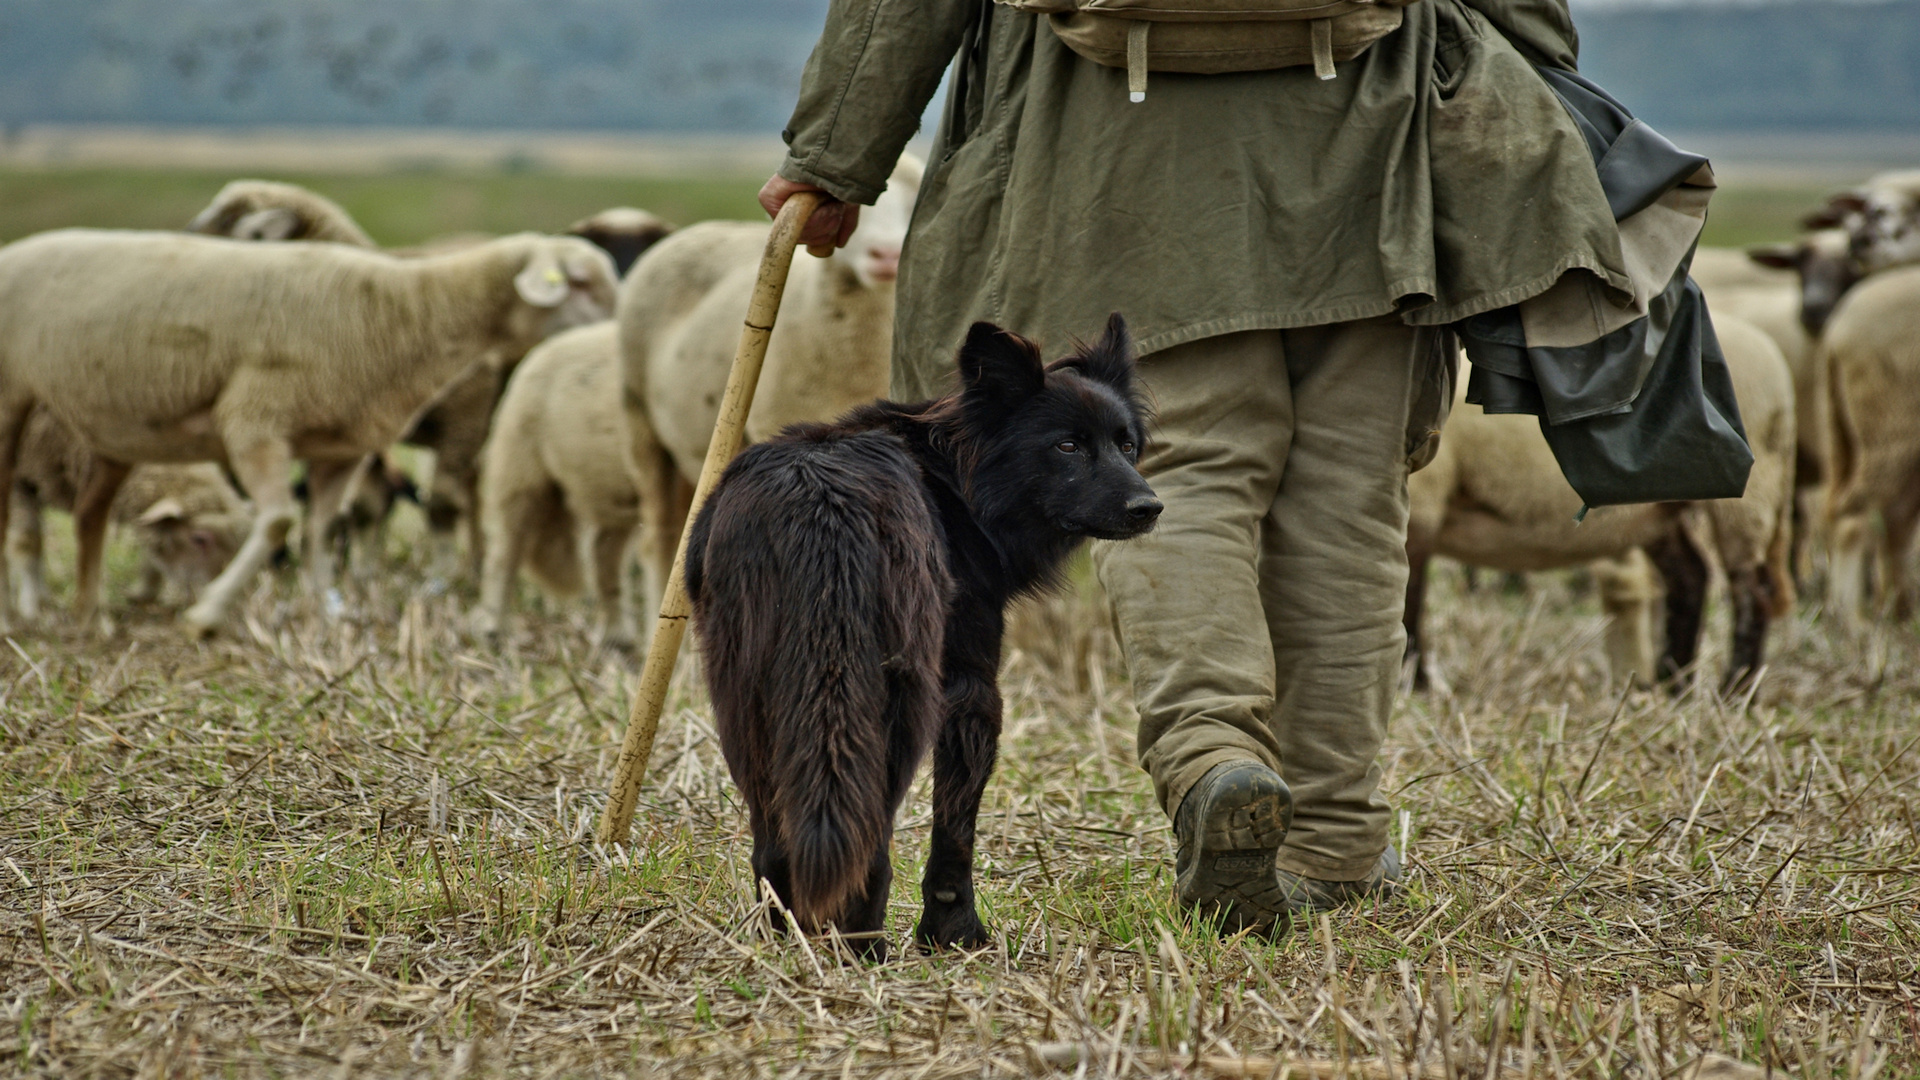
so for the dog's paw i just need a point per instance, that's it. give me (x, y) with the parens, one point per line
(955, 926)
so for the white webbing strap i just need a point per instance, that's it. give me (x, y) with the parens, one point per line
(1323, 48)
(1137, 60)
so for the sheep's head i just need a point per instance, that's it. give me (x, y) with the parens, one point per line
(190, 548)
(562, 282)
(873, 252)
(622, 232)
(270, 211)
(1881, 218)
(1827, 268)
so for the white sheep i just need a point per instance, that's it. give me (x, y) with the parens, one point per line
(172, 347)
(188, 518)
(269, 210)
(1871, 351)
(454, 423)
(680, 315)
(554, 491)
(1495, 497)
(1882, 217)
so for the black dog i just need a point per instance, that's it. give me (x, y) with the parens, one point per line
(848, 584)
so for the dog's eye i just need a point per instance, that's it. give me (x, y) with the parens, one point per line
(1067, 446)
(1126, 447)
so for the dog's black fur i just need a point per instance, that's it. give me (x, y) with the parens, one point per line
(849, 581)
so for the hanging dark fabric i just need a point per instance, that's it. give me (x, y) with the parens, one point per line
(1632, 393)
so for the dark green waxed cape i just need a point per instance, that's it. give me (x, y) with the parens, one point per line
(1437, 177)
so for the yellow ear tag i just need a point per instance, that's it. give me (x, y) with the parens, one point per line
(555, 276)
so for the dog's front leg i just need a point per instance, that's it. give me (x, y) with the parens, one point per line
(963, 757)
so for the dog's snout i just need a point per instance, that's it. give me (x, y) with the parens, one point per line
(1143, 509)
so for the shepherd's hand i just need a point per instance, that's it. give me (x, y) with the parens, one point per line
(831, 225)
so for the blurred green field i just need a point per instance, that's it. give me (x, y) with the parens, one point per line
(406, 208)
(396, 208)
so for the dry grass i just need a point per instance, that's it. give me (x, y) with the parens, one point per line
(362, 848)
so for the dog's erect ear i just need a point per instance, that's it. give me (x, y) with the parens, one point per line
(1109, 360)
(1000, 367)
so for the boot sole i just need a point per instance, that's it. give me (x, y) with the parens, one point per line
(1232, 880)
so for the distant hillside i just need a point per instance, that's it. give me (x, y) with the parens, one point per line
(659, 64)
(1740, 67)
(733, 64)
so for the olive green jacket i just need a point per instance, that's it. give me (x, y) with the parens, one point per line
(1437, 177)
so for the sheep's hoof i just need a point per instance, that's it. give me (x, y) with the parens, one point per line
(484, 627)
(199, 623)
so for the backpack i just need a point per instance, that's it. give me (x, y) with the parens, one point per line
(1210, 37)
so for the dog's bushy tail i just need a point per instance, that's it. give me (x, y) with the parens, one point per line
(819, 593)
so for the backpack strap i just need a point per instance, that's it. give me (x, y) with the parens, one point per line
(1322, 30)
(1137, 60)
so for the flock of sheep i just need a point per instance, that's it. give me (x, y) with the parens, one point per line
(567, 387)
(144, 374)
(1822, 339)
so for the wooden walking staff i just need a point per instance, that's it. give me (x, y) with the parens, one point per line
(728, 430)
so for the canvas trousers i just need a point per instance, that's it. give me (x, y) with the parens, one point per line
(1262, 618)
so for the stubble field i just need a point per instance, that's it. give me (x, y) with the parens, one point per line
(363, 847)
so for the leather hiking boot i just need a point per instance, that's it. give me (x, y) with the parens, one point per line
(1304, 896)
(1229, 828)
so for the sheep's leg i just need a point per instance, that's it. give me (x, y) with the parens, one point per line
(665, 497)
(1683, 568)
(13, 421)
(608, 561)
(1627, 592)
(1898, 519)
(507, 521)
(1847, 568)
(327, 486)
(1414, 658)
(90, 512)
(1751, 593)
(264, 469)
(469, 481)
(27, 543)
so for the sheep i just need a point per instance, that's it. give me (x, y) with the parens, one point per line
(554, 490)
(188, 518)
(1494, 497)
(266, 210)
(1871, 352)
(1882, 217)
(177, 347)
(680, 314)
(454, 423)
(1826, 266)
(622, 232)
(1770, 298)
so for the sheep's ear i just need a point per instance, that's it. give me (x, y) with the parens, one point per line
(1000, 368)
(165, 511)
(1776, 256)
(278, 223)
(218, 219)
(1109, 360)
(1836, 212)
(542, 283)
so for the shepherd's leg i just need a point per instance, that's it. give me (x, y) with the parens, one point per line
(263, 466)
(90, 512)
